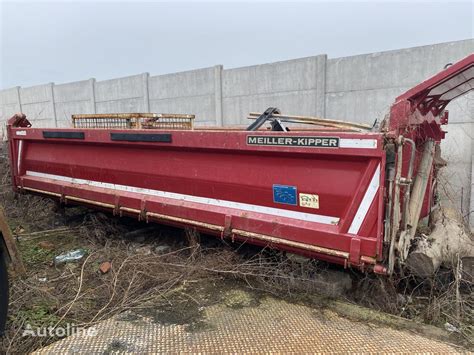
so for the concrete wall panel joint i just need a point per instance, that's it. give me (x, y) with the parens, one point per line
(146, 96)
(218, 95)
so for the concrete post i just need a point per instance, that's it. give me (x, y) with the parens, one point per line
(92, 95)
(320, 109)
(19, 98)
(146, 96)
(53, 106)
(218, 95)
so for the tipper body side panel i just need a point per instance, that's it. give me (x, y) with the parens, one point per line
(316, 193)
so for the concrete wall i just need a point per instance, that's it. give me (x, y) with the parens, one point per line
(358, 88)
(37, 103)
(295, 86)
(457, 148)
(192, 92)
(73, 98)
(361, 88)
(128, 94)
(9, 104)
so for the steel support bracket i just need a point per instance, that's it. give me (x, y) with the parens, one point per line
(227, 227)
(354, 252)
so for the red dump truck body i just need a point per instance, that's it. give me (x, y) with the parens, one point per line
(322, 193)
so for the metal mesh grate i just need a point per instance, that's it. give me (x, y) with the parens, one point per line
(274, 326)
(134, 121)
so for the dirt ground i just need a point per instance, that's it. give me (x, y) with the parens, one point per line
(171, 274)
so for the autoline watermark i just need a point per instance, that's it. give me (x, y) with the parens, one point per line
(60, 332)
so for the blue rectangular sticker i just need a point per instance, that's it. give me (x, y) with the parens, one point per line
(284, 194)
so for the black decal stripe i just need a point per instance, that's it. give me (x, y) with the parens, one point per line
(64, 135)
(141, 137)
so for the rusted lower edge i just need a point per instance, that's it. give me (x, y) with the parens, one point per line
(368, 260)
(185, 221)
(267, 238)
(83, 200)
(71, 198)
(291, 243)
(130, 210)
(40, 191)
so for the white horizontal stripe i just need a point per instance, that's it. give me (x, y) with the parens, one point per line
(358, 143)
(366, 202)
(20, 154)
(189, 198)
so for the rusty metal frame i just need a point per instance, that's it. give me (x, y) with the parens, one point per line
(318, 121)
(134, 121)
(8, 241)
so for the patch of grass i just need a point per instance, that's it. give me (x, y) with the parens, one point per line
(129, 317)
(38, 315)
(239, 299)
(32, 254)
(182, 313)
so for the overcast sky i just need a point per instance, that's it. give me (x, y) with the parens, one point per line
(68, 41)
